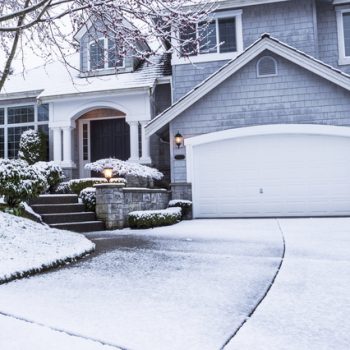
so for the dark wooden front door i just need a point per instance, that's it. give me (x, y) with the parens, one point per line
(110, 138)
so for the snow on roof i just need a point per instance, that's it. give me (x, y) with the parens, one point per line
(55, 79)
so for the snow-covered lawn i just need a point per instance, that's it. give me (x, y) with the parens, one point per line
(309, 305)
(26, 246)
(188, 286)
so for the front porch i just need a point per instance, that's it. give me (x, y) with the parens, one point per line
(96, 131)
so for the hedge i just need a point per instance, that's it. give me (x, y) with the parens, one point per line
(154, 218)
(77, 185)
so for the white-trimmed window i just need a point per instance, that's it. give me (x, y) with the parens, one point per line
(343, 23)
(15, 119)
(266, 67)
(104, 54)
(221, 39)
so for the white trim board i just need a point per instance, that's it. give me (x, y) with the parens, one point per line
(265, 43)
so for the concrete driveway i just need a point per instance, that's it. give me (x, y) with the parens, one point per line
(192, 286)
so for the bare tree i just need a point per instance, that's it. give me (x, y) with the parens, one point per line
(46, 27)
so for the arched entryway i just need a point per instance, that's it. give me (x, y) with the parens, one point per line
(102, 133)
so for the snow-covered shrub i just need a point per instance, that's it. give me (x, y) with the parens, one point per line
(154, 218)
(53, 173)
(185, 206)
(30, 146)
(63, 188)
(77, 185)
(122, 168)
(20, 181)
(88, 196)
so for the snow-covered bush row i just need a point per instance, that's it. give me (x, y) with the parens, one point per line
(27, 247)
(53, 173)
(180, 203)
(88, 196)
(77, 185)
(154, 218)
(20, 182)
(30, 146)
(63, 188)
(185, 206)
(122, 168)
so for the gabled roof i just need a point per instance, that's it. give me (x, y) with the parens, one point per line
(264, 43)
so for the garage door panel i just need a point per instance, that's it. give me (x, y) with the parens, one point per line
(272, 175)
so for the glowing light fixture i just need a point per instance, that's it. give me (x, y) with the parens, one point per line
(179, 139)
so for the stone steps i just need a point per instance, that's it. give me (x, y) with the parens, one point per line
(58, 208)
(66, 213)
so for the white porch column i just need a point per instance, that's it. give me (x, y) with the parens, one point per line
(146, 157)
(134, 141)
(57, 145)
(67, 147)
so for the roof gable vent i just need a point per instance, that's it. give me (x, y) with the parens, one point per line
(267, 67)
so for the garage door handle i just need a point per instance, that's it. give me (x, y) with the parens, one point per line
(261, 191)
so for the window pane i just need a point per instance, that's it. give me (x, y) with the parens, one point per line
(44, 131)
(85, 142)
(17, 115)
(114, 59)
(227, 34)
(2, 116)
(97, 55)
(2, 143)
(43, 113)
(207, 35)
(14, 136)
(346, 21)
(188, 42)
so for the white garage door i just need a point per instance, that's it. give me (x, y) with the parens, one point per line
(272, 175)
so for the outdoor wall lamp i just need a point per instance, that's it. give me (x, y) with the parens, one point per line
(179, 139)
(108, 172)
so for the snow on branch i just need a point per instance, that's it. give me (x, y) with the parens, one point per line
(47, 27)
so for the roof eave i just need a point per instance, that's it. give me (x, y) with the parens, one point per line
(265, 43)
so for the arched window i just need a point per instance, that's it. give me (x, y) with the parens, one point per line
(267, 67)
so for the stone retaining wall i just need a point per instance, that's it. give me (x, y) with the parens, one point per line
(115, 201)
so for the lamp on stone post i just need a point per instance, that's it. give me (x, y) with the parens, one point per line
(108, 172)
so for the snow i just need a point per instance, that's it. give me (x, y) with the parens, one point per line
(123, 168)
(187, 286)
(308, 306)
(159, 213)
(175, 202)
(26, 246)
(67, 80)
(32, 336)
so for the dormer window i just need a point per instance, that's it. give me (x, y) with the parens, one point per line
(220, 39)
(103, 54)
(343, 23)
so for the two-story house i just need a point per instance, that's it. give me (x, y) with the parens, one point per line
(264, 110)
(88, 110)
(265, 115)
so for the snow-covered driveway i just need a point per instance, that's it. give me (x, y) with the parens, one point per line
(308, 307)
(188, 286)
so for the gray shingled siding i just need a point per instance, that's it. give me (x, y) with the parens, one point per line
(291, 22)
(328, 36)
(294, 96)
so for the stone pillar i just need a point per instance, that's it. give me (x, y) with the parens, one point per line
(110, 205)
(57, 145)
(146, 157)
(134, 141)
(67, 147)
